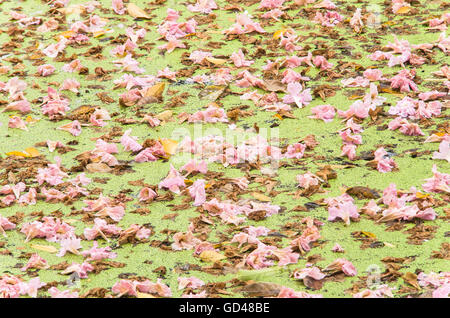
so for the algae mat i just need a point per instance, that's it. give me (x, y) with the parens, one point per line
(224, 148)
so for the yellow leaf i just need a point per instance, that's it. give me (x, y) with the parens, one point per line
(261, 197)
(278, 116)
(169, 145)
(368, 234)
(73, 9)
(188, 182)
(18, 154)
(420, 195)
(165, 115)
(404, 10)
(98, 33)
(278, 34)
(211, 256)
(136, 12)
(216, 61)
(33, 152)
(156, 90)
(45, 248)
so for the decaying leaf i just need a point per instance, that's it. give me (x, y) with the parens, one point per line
(261, 197)
(136, 12)
(45, 248)
(362, 192)
(211, 256)
(99, 167)
(261, 289)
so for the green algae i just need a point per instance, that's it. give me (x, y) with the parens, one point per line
(411, 172)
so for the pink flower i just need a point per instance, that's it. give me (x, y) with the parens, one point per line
(337, 248)
(193, 166)
(173, 181)
(73, 66)
(307, 180)
(371, 208)
(203, 6)
(249, 80)
(157, 288)
(31, 288)
(384, 164)
(96, 253)
(273, 14)
(358, 81)
(71, 244)
(270, 4)
(71, 85)
(407, 128)
(54, 104)
(348, 138)
(295, 151)
(373, 74)
(73, 127)
(343, 265)
(101, 228)
(5, 225)
(238, 59)
(286, 256)
(258, 259)
(56, 293)
(244, 24)
(98, 117)
(406, 107)
(53, 174)
(118, 7)
(135, 36)
(320, 61)
(197, 192)
(296, 95)
(35, 261)
(116, 213)
(442, 292)
(434, 94)
(211, 115)
(22, 106)
(54, 49)
(344, 211)
(324, 112)
(291, 76)
(403, 81)
(184, 241)
(349, 150)
(146, 194)
(444, 151)
(81, 270)
(191, 282)
(330, 19)
(17, 122)
(124, 287)
(243, 238)
(380, 292)
(440, 182)
(129, 142)
(313, 272)
(45, 70)
(172, 45)
(129, 64)
(167, 73)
